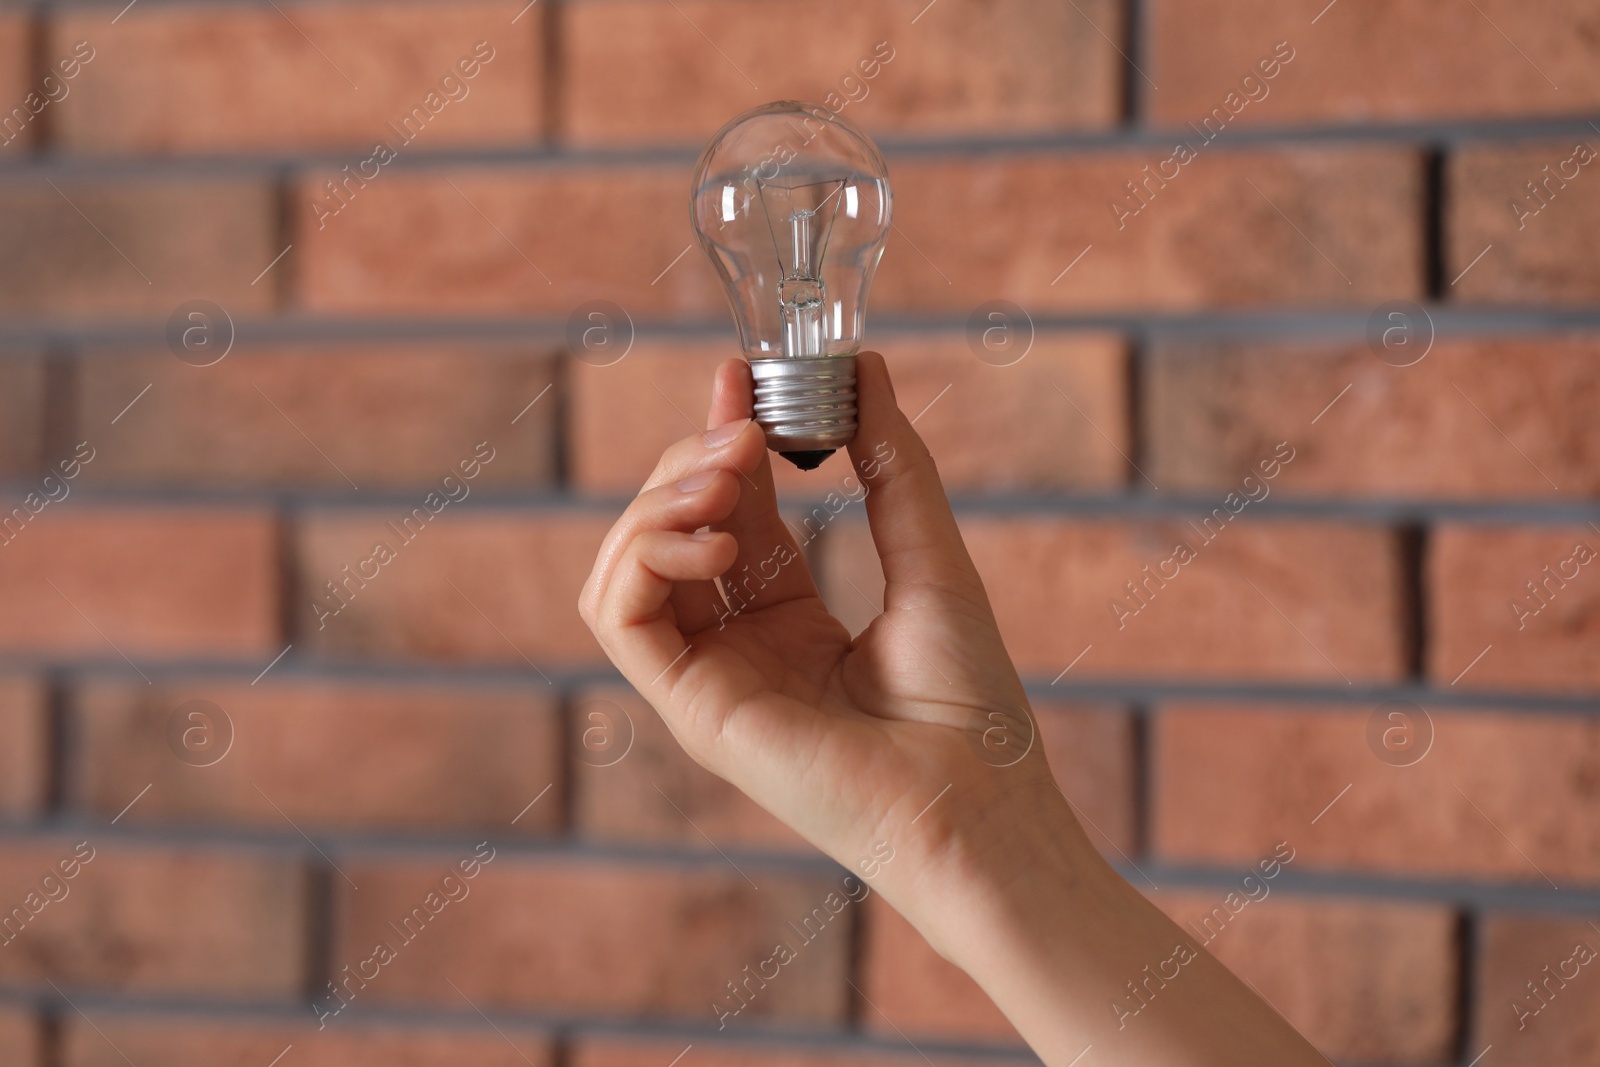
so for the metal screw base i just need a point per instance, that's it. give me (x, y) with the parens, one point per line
(806, 404)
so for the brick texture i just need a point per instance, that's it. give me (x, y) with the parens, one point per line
(139, 582)
(154, 920)
(1540, 638)
(619, 1052)
(910, 988)
(454, 592)
(22, 409)
(1486, 800)
(16, 131)
(1314, 959)
(316, 417)
(1438, 428)
(302, 76)
(1366, 60)
(1016, 65)
(1184, 262)
(978, 234)
(324, 756)
(1527, 234)
(973, 231)
(1558, 1021)
(25, 758)
(1092, 753)
(19, 1037)
(631, 782)
(664, 389)
(462, 242)
(1071, 389)
(1364, 982)
(346, 1043)
(1053, 584)
(604, 939)
(135, 247)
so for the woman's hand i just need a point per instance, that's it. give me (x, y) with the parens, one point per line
(913, 741)
(915, 737)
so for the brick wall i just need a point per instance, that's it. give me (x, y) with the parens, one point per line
(1337, 345)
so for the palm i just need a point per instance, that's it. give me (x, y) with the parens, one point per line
(847, 741)
(871, 729)
(911, 664)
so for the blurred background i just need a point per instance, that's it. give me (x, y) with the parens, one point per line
(1307, 287)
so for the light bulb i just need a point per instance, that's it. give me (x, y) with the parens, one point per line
(792, 204)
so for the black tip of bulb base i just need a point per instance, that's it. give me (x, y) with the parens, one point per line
(810, 460)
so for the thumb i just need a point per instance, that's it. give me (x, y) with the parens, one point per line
(913, 527)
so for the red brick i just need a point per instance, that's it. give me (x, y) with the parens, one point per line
(1434, 429)
(410, 243)
(1359, 61)
(1052, 582)
(985, 229)
(604, 938)
(16, 135)
(1537, 259)
(1069, 390)
(911, 989)
(398, 416)
(1491, 799)
(157, 920)
(343, 1043)
(1092, 755)
(24, 760)
(632, 782)
(174, 582)
(186, 79)
(970, 231)
(19, 1038)
(1476, 576)
(1017, 65)
(22, 407)
(333, 756)
(660, 392)
(516, 581)
(160, 244)
(644, 1052)
(661, 387)
(1561, 1024)
(1364, 982)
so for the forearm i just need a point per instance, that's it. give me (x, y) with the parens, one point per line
(1078, 959)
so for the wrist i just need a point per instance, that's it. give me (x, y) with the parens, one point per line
(1045, 926)
(991, 879)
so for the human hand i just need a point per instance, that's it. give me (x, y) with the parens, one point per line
(869, 743)
(858, 745)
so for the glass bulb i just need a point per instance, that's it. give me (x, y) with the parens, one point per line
(792, 204)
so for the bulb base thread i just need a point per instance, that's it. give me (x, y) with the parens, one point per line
(806, 404)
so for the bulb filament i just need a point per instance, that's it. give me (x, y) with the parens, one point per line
(801, 293)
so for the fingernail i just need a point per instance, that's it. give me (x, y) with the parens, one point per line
(703, 535)
(724, 433)
(696, 482)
